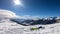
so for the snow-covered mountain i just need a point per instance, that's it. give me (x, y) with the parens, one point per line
(9, 27)
(11, 24)
(26, 22)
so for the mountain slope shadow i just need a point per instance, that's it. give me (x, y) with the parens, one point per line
(38, 22)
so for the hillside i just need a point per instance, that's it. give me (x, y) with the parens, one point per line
(10, 23)
(9, 27)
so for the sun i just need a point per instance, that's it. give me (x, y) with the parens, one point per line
(17, 2)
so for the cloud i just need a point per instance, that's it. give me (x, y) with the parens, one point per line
(29, 17)
(7, 13)
(10, 14)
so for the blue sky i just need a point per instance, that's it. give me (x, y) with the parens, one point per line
(40, 8)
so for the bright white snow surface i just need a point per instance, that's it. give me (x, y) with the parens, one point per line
(9, 27)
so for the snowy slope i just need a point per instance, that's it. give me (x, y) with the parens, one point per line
(9, 27)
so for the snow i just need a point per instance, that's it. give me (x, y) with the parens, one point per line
(9, 27)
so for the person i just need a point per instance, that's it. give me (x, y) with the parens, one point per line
(41, 27)
(37, 28)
